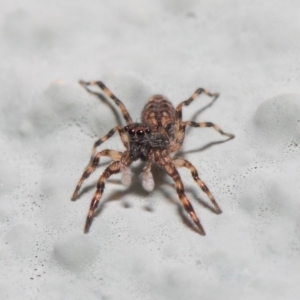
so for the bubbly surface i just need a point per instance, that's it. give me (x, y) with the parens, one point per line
(147, 249)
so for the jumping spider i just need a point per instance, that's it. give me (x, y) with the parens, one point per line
(160, 133)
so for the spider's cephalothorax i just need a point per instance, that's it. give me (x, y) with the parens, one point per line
(160, 133)
(143, 137)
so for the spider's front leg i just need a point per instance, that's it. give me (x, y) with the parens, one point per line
(113, 168)
(172, 171)
(115, 155)
(105, 89)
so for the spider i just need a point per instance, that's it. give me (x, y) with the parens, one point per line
(160, 133)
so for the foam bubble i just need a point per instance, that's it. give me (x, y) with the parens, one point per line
(277, 120)
(75, 251)
(21, 238)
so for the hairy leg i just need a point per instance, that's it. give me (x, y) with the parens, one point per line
(117, 101)
(208, 124)
(122, 134)
(113, 168)
(115, 155)
(187, 102)
(171, 171)
(180, 162)
(179, 125)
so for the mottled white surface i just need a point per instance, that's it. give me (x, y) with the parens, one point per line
(140, 245)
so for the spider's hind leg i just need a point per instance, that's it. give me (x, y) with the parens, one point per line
(187, 102)
(171, 171)
(180, 162)
(179, 125)
(208, 124)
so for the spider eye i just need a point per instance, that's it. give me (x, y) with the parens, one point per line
(140, 133)
(148, 130)
(126, 128)
(168, 127)
(131, 132)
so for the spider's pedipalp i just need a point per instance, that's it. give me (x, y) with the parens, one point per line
(148, 181)
(113, 168)
(180, 162)
(108, 93)
(172, 172)
(147, 176)
(126, 175)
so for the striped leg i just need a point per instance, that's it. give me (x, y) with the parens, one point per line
(192, 98)
(171, 170)
(180, 126)
(123, 136)
(180, 162)
(115, 155)
(113, 168)
(208, 124)
(117, 101)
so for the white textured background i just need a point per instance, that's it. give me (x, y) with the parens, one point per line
(140, 246)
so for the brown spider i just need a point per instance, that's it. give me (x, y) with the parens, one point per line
(160, 133)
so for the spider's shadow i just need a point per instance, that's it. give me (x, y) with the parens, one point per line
(160, 182)
(106, 102)
(208, 145)
(204, 108)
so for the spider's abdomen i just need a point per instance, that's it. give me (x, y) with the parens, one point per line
(159, 111)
